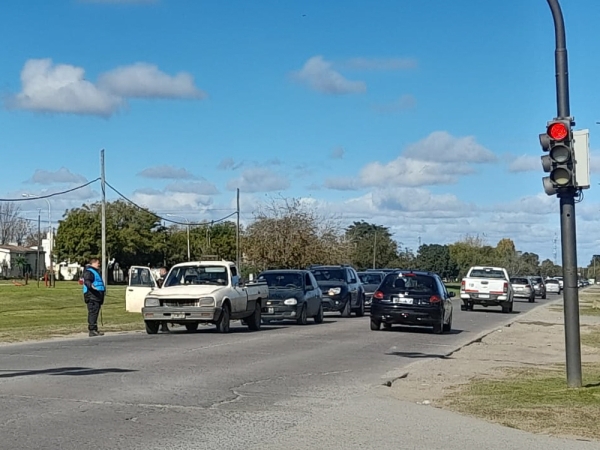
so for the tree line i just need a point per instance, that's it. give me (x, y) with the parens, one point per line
(283, 233)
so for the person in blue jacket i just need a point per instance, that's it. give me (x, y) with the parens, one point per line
(93, 294)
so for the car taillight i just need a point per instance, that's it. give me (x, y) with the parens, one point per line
(435, 299)
(462, 285)
(378, 295)
(505, 290)
(527, 287)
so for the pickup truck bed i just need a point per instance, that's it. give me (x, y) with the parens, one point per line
(486, 286)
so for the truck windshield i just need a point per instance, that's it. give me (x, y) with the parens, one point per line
(282, 280)
(186, 275)
(486, 273)
(329, 274)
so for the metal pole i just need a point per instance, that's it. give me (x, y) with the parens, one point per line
(237, 235)
(50, 240)
(103, 184)
(188, 240)
(568, 226)
(37, 265)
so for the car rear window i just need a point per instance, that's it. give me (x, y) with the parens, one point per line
(486, 273)
(519, 281)
(370, 278)
(409, 283)
(551, 281)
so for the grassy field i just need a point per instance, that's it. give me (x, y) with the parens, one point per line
(30, 313)
(535, 400)
(589, 302)
(453, 287)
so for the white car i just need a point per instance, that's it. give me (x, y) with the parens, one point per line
(553, 286)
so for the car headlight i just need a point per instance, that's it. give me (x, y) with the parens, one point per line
(290, 302)
(207, 301)
(334, 291)
(151, 302)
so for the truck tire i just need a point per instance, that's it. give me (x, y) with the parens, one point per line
(302, 318)
(319, 317)
(192, 326)
(254, 321)
(224, 321)
(152, 326)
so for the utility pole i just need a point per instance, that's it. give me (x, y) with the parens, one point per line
(103, 184)
(567, 212)
(237, 235)
(39, 244)
(50, 238)
(555, 247)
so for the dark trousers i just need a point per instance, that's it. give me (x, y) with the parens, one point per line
(93, 305)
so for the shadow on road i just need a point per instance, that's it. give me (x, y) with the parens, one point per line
(416, 355)
(419, 330)
(69, 371)
(232, 330)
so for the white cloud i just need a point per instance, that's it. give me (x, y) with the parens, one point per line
(142, 80)
(337, 153)
(61, 88)
(342, 183)
(320, 76)
(525, 163)
(381, 63)
(159, 201)
(259, 179)
(62, 175)
(226, 164)
(203, 187)
(166, 172)
(441, 146)
(404, 103)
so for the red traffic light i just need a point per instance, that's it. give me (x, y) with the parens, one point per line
(558, 131)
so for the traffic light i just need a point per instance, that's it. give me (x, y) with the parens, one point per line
(560, 161)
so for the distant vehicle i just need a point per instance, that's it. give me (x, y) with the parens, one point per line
(412, 298)
(487, 286)
(552, 286)
(523, 288)
(342, 289)
(205, 292)
(539, 287)
(293, 295)
(371, 281)
(560, 282)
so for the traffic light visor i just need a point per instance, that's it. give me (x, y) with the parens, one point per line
(558, 131)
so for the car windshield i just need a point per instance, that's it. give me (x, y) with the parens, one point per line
(329, 274)
(370, 278)
(409, 284)
(519, 281)
(205, 274)
(282, 280)
(486, 273)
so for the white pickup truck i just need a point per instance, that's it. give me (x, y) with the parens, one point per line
(486, 286)
(204, 292)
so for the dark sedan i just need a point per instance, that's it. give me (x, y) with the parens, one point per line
(412, 298)
(293, 295)
(371, 281)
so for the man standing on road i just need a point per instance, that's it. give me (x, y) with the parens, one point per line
(93, 294)
(161, 280)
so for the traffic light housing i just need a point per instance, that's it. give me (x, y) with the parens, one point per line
(560, 160)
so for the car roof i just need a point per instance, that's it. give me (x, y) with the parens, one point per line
(416, 272)
(284, 271)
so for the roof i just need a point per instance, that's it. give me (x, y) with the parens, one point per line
(285, 271)
(19, 249)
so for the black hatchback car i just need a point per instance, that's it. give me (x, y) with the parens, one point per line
(342, 289)
(412, 298)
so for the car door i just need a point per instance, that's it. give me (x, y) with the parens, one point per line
(445, 298)
(310, 294)
(352, 280)
(239, 293)
(141, 282)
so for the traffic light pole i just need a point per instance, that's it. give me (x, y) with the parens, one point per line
(568, 227)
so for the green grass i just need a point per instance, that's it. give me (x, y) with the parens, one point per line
(453, 287)
(30, 313)
(535, 400)
(592, 338)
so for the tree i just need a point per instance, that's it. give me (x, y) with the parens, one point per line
(22, 228)
(549, 269)
(287, 233)
(471, 251)
(436, 258)
(371, 245)
(9, 220)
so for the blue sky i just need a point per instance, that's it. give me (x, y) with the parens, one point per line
(419, 115)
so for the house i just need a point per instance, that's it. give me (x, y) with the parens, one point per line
(16, 261)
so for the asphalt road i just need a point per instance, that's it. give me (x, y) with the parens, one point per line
(205, 390)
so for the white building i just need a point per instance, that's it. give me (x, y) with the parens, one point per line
(16, 261)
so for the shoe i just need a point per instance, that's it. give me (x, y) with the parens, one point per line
(96, 333)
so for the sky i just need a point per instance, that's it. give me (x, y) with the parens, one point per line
(422, 116)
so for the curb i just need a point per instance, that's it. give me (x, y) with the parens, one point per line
(389, 378)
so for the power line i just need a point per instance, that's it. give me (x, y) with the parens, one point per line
(28, 199)
(211, 222)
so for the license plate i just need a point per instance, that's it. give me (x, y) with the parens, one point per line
(403, 300)
(271, 311)
(484, 295)
(178, 316)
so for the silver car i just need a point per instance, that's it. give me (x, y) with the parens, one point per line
(552, 286)
(523, 288)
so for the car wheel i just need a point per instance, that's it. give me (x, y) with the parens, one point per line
(152, 326)
(193, 326)
(347, 311)
(319, 317)
(447, 328)
(302, 319)
(375, 326)
(532, 299)
(254, 321)
(360, 312)
(544, 296)
(507, 309)
(223, 322)
(438, 328)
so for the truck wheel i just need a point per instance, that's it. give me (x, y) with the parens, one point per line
(375, 326)
(193, 326)
(319, 317)
(223, 323)
(347, 311)
(360, 312)
(152, 326)
(254, 321)
(302, 319)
